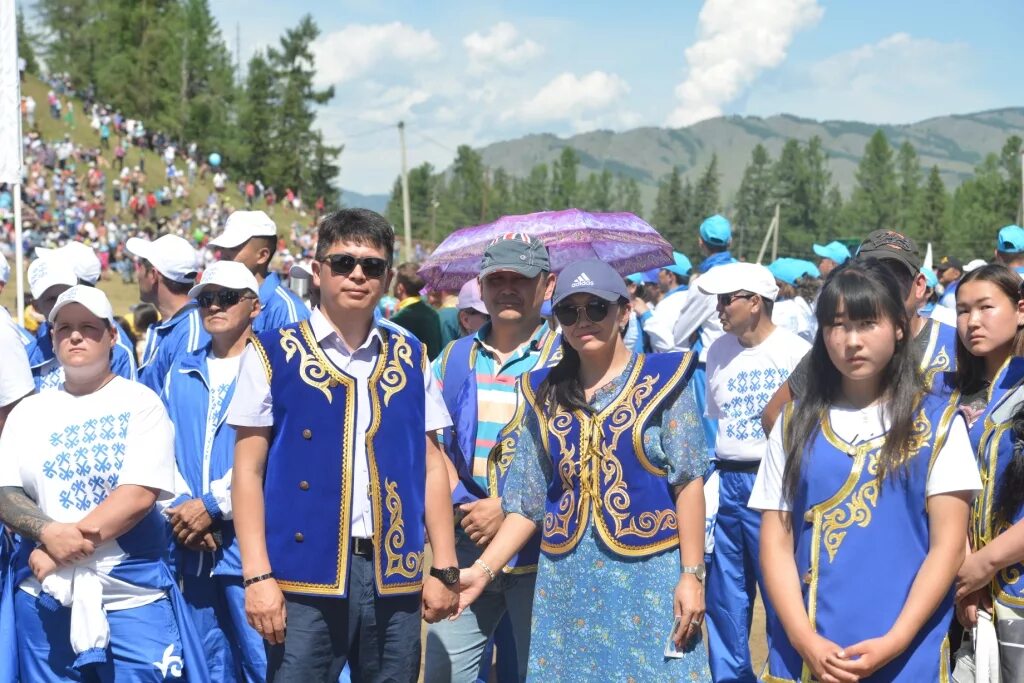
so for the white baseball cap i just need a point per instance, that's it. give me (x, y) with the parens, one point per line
(469, 297)
(44, 273)
(974, 265)
(301, 271)
(82, 257)
(734, 277)
(242, 226)
(229, 275)
(171, 256)
(92, 298)
(5, 269)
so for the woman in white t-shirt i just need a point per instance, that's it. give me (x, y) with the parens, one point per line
(81, 469)
(865, 493)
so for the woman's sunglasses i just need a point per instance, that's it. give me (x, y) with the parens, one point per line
(596, 310)
(225, 298)
(344, 264)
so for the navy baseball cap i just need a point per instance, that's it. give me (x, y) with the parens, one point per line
(516, 252)
(590, 276)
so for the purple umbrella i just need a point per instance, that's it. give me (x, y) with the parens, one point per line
(627, 243)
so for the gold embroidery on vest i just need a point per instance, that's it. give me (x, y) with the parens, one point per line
(617, 502)
(940, 363)
(558, 524)
(407, 564)
(624, 416)
(393, 378)
(311, 371)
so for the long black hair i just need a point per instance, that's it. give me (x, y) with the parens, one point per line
(562, 386)
(970, 369)
(864, 290)
(1010, 489)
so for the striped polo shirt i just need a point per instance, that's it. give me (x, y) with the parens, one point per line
(496, 390)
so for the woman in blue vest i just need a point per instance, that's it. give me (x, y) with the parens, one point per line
(865, 491)
(989, 385)
(608, 460)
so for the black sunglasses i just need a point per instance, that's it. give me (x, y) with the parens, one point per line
(726, 299)
(225, 298)
(596, 310)
(344, 264)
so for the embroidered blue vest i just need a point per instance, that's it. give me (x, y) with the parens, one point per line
(601, 471)
(992, 438)
(939, 355)
(459, 389)
(844, 520)
(308, 485)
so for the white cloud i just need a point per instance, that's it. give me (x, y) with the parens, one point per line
(569, 97)
(738, 39)
(353, 51)
(897, 79)
(501, 46)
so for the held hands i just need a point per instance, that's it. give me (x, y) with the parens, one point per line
(265, 610)
(190, 521)
(68, 543)
(975, 573)
(41, 564)
(688, 602)
(439, 601)
(483, 519)
(472, 582)
(967, 607)
(833, 664)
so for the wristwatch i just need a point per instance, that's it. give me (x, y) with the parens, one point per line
(449, 576)
(698, 570)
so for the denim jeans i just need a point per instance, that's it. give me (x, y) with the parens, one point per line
(455, 648)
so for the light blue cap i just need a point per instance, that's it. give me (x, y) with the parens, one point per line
(716, 230)
(682, 265)
(837, 251)
(789, 270)
(1010, 240)
(648, 277)
(930, 277)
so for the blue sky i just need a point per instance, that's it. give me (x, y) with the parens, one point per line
(483, 71)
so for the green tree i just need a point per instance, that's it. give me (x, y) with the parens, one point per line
(908, 169)
(815, 214)
(26, 45)
(875, 201)
(256, 120)
(207, 85)
(790, 192)
(979, 210)
(934, 203)
(500, 196)
(324, 169)
(564, 180)
(705, 195)
(1010, 161)
(598, 192)
(531, 194)
(669, 209)
(753, 201)
(627, 196)
(466, 189)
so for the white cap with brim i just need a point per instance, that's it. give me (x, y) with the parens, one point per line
(92, 298)
(229, 275)
(301, 271)
(242, 226)
(171, 256)
(736, 277)
(469, 297)
(974, 265)
(82, 257)
(44, 273)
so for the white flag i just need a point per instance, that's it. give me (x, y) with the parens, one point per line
(10, 96)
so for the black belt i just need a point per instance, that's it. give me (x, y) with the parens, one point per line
(745, 466)
(362, 547)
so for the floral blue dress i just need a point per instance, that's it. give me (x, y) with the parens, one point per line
(598, 616)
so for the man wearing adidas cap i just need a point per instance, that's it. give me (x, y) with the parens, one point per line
(250, 238)
(197, 393)
(477, 375)
(166, 271)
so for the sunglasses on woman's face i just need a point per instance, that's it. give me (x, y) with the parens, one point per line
(596, 310)
(225, 298)
(344, 264)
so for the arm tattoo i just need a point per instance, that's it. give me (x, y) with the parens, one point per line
(20, 513)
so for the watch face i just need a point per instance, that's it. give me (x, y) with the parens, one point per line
(449, 576)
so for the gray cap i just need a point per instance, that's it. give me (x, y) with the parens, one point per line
(517, 252)
(591, 276)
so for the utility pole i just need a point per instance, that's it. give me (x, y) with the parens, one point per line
(775, 238)
(238, 53)
(406, 212)
(1020, 212)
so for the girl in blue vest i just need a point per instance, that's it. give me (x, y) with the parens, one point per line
(608, 460)
(989, 385)
(865, 494)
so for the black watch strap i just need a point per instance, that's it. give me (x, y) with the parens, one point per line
(449, 576)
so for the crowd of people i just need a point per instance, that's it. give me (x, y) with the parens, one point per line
(606, 468)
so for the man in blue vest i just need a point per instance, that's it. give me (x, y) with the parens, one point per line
(250, 238)
(338, 480)
(478, 374)
(166, 270)
(197, 393)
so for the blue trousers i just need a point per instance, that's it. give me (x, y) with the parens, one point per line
(732, 581)
(234, 650)
(379, 638)
(144, 644)
(456, 649)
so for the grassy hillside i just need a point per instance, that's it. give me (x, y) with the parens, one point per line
(954, 143)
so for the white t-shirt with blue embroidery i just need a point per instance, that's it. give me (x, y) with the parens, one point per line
(741, 381)
(69, 452)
